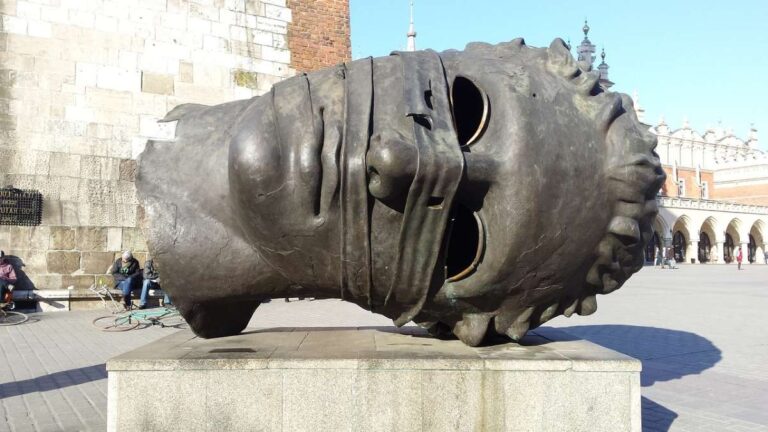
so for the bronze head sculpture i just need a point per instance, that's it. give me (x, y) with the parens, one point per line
(478, 192)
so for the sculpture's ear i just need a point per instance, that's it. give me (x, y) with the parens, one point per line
(470, 108)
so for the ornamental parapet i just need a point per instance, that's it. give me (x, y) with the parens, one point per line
(704, 204)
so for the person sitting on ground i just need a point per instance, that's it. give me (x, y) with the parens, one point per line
(670, 254)
(7, 278)
(151, 280)
(127, 274)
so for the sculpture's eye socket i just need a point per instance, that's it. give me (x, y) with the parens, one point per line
(470, 110)
(466, 243)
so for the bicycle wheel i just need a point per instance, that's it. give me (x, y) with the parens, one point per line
(111, 323)
(174, 320)
(8, 318)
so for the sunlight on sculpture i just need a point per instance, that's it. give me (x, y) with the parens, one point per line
(479, 193)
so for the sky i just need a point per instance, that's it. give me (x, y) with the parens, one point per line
(705, 61)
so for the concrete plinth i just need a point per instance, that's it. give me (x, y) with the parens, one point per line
(372, 379)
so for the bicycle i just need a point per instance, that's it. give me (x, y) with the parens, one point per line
(105, 293)
(129, 320)
(8, 316)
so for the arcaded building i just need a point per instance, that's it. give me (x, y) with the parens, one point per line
(715, 199)
(82, 86)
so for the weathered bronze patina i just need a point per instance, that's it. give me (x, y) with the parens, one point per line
(478, 192)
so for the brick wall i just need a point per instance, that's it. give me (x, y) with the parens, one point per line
(688, 175)
(318, 35)
(82, 84)
(756, 194)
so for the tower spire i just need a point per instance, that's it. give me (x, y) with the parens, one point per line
(640, 111)
(586, 50)
(411, 33)
(603, 69)
(752, 137)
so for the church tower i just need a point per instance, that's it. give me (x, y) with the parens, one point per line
(605, 83)
(411, 33)
(586, 50)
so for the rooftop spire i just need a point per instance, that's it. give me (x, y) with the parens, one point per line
(662, 128)
(639, 110)
(752, 137)
(586, 50)
(411, 33)
(603, 68)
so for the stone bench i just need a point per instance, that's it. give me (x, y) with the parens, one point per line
(71, 299)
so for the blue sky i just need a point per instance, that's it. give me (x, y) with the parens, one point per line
(704, 60)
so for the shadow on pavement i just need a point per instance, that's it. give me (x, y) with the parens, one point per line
(666, 355)
(54, 381)
(655, 416)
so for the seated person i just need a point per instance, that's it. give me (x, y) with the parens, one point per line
(151, 280)
(7, 278)
(127, 274)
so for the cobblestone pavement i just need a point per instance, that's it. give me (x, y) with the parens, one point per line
(701, 332)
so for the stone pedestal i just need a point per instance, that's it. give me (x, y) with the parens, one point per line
(371, 379)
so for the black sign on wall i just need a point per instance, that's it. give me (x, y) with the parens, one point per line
(20, 207)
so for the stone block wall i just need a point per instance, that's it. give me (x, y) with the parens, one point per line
(82, 85)
(318, 34)
(58, 256)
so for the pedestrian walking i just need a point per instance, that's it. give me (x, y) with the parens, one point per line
(739, 257)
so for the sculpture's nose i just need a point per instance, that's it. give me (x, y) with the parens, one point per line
(391, 164)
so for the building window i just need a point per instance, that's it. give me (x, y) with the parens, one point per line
(704, 190)
(681, 188)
